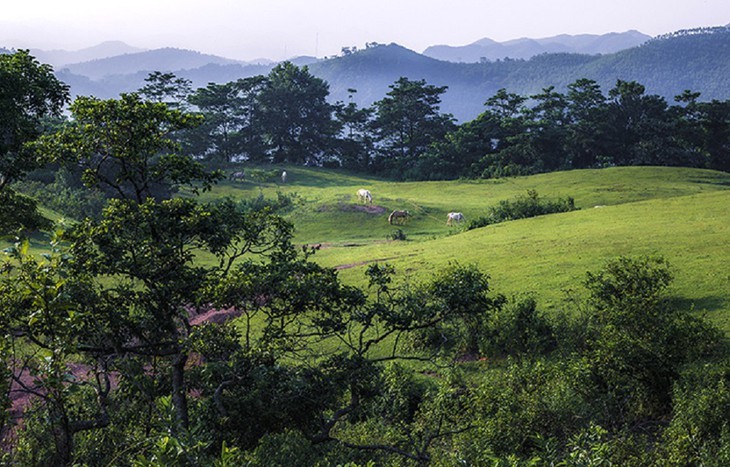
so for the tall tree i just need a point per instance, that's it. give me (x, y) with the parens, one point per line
(230, 125)
(639, 130)
(407, 121)
(126, 148)
(586, 107)
(167, 88)
(144, 240)
(296, 119)
(29, 93)
(355, 140)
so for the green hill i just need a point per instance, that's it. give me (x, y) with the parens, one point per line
(681, 214)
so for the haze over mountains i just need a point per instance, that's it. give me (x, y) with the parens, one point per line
(697, 60)
(525, 48)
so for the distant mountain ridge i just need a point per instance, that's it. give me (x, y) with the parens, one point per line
(59, 58)
(525, 48)
(165, 59)
(698, 60)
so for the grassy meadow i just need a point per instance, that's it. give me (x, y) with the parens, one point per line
(680, 214)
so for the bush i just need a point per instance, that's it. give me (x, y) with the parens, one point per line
(522, 207)
(636, 342)
(19, 212)
(699, 433)
(397, 234)
(517, 329)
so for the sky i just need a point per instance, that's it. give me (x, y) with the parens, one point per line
(279, 29)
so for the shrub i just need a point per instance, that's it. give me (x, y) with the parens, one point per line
(522, 207)
(397, 234)
(636, 341)
(699, 433)
(518, 329)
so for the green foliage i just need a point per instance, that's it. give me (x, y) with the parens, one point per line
(295, 117)
(518, 329)
(230, 127)
(461, 295)
(699, 432)
(637, 341)
(126, 147)
(20, 213)
(406, 122)
(522, 207)
(397, 234)
(66, 195)
(30, 93)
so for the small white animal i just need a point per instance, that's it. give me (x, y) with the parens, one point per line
(364, 195)
(454, 217)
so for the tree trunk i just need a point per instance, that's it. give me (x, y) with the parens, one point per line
(63, 438)
(179, 392)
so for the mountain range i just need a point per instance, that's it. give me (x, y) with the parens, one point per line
(525, 48)
(698, 60)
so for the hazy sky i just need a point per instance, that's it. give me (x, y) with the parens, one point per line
(277, 29)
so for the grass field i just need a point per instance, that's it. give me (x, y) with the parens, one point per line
(680, 214)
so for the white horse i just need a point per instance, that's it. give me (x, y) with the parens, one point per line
(398, 217)
(454, 217)
(237, 176)
(283, 177)
(364, 195)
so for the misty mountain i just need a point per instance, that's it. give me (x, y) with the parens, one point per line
(59, 58)
(487, 49)
(697, 60)
(165, 59)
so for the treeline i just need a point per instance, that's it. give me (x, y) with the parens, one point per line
(285, 117)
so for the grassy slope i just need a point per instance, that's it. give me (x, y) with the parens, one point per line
(681, 214)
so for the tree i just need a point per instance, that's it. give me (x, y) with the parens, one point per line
(586, 107)
(167, 88)
(355, 141)
(639, 130)
(48, 316)
(126, 147)
(29, 93)
(147, 243)
(230, 125)
(407, 121)
(296, 119)
(715, 123)
(638, 340)
(549, 128)
(513, 153)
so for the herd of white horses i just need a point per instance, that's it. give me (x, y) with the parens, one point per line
(399, 216)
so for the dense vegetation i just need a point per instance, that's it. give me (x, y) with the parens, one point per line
(110, 332)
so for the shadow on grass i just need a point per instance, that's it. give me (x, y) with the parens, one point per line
(707, 304)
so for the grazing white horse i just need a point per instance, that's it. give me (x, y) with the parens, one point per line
(237, 176)
(364, 195)
(398, 217)
(283, 177)
(454, 217)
